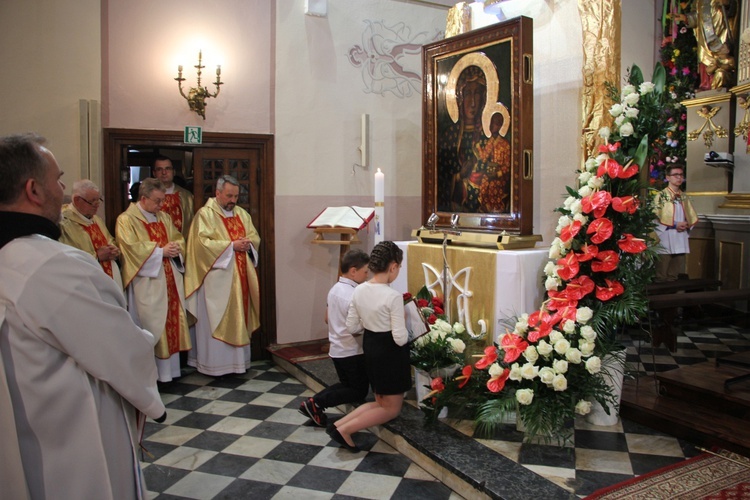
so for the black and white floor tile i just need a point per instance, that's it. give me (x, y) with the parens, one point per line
(242, 437)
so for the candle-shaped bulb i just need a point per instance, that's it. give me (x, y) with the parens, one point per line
(218, 69)
(179, 68)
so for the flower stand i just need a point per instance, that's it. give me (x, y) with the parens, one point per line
(422, 381)
(613, 368)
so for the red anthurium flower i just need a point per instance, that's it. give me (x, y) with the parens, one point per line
(496, 384)
(563, 313)
(437, 302)
(627, 204)
(596, 202)
(629, 243)
(570, 231)
(431, 320)
(569, 268)
(490, 356)
(579, 287)
(437, 387)
(463, 379)
(544, 329)
(587, 252)
(609, 148)
(629, 170)
(610, 167)
(558, 300)
(407, 296)
(422, 303)
(438, 310)
(613, 289)
(600, 229)
(513, 345)
(606, 261)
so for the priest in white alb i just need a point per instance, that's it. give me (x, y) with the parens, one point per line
(83, 229)
(152, 266)
(221, 282)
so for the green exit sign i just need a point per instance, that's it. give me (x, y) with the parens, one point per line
(193, 135)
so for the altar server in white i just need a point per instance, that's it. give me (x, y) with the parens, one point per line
(75, 371)
(221, 283)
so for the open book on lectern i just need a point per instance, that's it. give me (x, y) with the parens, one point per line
(352, 217)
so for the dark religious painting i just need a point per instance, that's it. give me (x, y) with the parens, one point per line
(478, 128)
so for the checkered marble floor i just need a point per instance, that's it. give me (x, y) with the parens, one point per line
(242, 437)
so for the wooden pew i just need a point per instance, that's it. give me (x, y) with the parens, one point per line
(669, 303)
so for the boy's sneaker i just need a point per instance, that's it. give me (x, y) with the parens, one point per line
(309, 409)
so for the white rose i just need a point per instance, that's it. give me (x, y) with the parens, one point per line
(559, 383)
(551, 283)
(601, 158)
(563, 221)
(550, 268)
(581, 218)
(619, 120)
(584, 314)
(584, 191)
(631, 112)
(546, 375)
(560, 366)
(646, 88)
(592, 164)
(626, 130)
(631, 99)
(615, 110)
(515, 372)
(569, 326)
(604, 133)
(457, 345)
(495, 370)
(555, 336)
(576, 208)
(544, 348)
(596, 182)
(593, 365)
(523, 323)
(554, 252)
(562, 346)
(587, 332)
(573, 355)
(568, 201)
(458, 328)
(531, 354)
(586, 348)
(583, 407)
(444, 326)
(524, 396)
(529, 371)
(628, 89)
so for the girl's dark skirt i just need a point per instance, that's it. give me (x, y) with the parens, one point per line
(388, 365)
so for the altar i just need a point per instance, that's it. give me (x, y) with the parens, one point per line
(492, 285)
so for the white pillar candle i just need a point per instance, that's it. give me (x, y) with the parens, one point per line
(379, 205)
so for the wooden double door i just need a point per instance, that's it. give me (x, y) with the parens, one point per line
(247, 157)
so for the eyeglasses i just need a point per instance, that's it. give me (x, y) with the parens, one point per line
(94, 203)
(158, 201)
(163, 169)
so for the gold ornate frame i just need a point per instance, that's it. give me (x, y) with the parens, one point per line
(503, 54)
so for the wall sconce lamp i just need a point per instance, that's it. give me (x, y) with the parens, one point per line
(197, 96)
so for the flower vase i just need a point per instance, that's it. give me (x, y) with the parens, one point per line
(613, 368)
(474, 350)
(423, 379)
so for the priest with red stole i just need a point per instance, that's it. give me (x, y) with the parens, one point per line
(221, 282)
(152, 250)
(83, 229)
(178, 202)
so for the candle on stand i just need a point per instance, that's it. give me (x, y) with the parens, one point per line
(379, 205)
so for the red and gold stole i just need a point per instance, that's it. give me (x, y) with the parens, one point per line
(158, 233)
(172, 207)
(236, 230)
(98, 240)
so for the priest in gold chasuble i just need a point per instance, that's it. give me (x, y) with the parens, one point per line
(221, 282)
(178, 202)
(152, 250)
(83, 229)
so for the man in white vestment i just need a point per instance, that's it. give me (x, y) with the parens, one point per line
(85, 230)
(221, 283)
(179, 202)
(152, 266)
(76, 374)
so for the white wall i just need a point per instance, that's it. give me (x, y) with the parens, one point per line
(51, 58)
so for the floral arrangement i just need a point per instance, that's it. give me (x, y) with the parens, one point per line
(548, 369)
(679, 58)
(444, 344)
